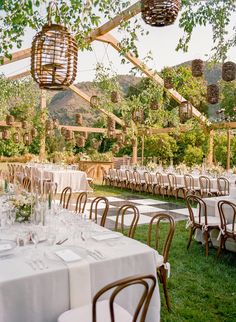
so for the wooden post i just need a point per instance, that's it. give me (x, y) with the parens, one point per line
(228, 150)
(211, 148)
(43, 106)
(142, 157)
(135, 151)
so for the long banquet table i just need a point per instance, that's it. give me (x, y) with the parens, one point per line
(41, 295)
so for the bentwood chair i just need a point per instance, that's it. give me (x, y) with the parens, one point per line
(174, 187)
(205, 187)
(26, 184)
(227, 211)
(223, 186)
(198, 219)
(189, 186)
(120, 219)
(129, 180)
(105, 177)
(138, 182)
(95, 206)
(110, 310)
(161, 187)
(154, 225)
(81, 202)
(65, 197)
(149, 183)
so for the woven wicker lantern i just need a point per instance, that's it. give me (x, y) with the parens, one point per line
(115, 97)
(185, 111)
(10, 120)
(168, 83)
(55, 123)
(80, 142)
(197, 67)
(24, 125)
(160, 13)
(138, 116)
(94, 101)
(33, 133)
(5, 135)
(16, 137)
(212, 94)
(69, 135)
(154, 105)
(27, 138)
(115, 148)
(111, 124)
(49, 125)
(228, 71)
(111, 134)
(79, 119)
(54, 56)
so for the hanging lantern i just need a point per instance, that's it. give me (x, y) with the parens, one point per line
(16, 137)
(5, 135)
(228, 71)
(115, 97)
(111, 134)
(160, 13)
(185, 111)
(24, 125)
(168, 82)
(94, 101)
(63, 131)
(27, 138)
(49, 125)
(212, 94)
(95, 144)
(154, 106)
(33, 133)
(55, 123)
(80, 142)
(10, 120)
(54, 56)
(115, 148)
(197, 67)
(69, 135)
(79, 119)
(111, 124)
(138, 116)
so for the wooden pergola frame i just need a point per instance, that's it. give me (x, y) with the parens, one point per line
(102, 34)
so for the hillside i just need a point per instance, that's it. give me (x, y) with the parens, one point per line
(65, 104)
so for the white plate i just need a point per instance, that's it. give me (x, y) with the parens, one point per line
(7, 246)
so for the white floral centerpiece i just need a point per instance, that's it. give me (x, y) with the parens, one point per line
(151, 166)
(23, 205)
(182, 168)
(215, 170)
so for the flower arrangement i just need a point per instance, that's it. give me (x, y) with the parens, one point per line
(23, 205)
(215, 170)
(151, 166)
(182, 168)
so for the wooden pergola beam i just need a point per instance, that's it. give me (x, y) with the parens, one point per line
(21, 75)
(18, 55)
(15, 124)
(84, 129)
(108, 38)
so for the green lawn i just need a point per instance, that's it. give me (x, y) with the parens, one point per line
(201, 289)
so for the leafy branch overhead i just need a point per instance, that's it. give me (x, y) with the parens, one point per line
(82, 16)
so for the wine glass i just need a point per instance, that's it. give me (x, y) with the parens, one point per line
(35, 239)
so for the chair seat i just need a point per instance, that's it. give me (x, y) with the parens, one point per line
(84, 314)
(229, 229)
(211, 220)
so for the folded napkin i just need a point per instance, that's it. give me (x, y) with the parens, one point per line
(106, 236)
(80, 283)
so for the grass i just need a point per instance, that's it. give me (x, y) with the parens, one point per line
(201, 289)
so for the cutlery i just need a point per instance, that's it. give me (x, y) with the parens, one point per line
(60, 242)
(32, 265)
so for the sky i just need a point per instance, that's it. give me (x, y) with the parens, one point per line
(160, 41)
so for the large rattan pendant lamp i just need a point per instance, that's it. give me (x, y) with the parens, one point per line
(160, 13)
(54, 55)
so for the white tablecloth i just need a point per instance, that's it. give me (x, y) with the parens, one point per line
(75, 179)
(27, 295)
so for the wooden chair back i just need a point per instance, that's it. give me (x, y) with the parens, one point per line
(172, 180)
(81, 202)
(65, 197)
(155, 224)
(195, 218)
(227, 221)
(122, 211)
(26, 183)
(188, 182)
(205, 184)
(137, 177)
(148, 284)
(223, 185)
(159, 179)
(148, 178)
(94, 210)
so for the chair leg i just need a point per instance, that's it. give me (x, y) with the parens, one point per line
(165, 290)
(206, 235)
(190, 237)
(222, 242)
